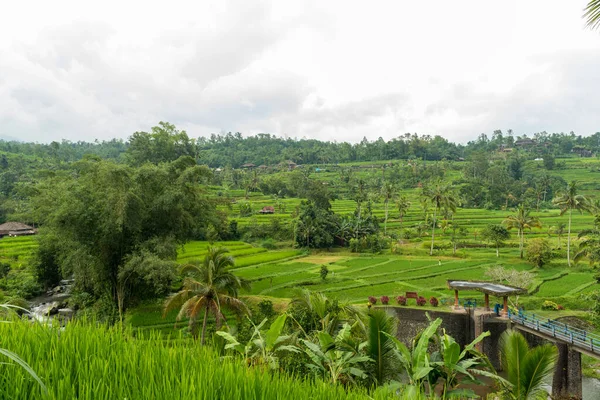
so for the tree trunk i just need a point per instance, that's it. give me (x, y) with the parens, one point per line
(521, 243)
(569, 240)
(386, 218)
(204, 325)
(433, 231)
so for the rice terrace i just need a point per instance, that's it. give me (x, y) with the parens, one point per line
(367, 231)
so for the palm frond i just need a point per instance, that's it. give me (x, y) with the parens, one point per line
(381, 349)
(592, 14)
(537, 365)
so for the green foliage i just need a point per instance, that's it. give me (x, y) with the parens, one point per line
(324, 271)
(526, 368)
(187, 371)
(592, 14)
(112, 222)
(336, 358)
(570, 200)
(521, 221)
(207, 289)
(549, 305)
(163, 144)
(381, 349)
(539, 252)
(263, 348)
(314, 226)
(495, 234)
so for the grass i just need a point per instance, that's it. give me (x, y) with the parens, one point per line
(90, 361)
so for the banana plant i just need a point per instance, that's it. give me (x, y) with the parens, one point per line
(415, 362)
(263, 349)
(337, 359)
(458, 367)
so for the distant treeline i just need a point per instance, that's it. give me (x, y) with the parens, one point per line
(165, 143)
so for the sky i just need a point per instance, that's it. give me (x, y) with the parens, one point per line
(329, 70)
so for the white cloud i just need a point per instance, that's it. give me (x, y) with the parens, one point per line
(335, 70)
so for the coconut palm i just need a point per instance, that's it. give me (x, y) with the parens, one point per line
(592, 14)
(440, 196)
(521, 220)
(526, 368)
(208, 288)
(569, 200)
(403, 205)
(381, 348)
(387, 191)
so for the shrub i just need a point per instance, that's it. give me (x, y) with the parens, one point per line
(401, 300)
(372, 300)
(385, 300)
(560, 307)
(324, 272)
(421, 301)
(433, 301)
(268, 244)
(550, 305)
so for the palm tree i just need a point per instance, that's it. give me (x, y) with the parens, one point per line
(592, 14)
(440, 196)
(403, 206)
(381, 348)
(387, 191)
(521, 220)
(569, 201)
(527, 369)
(208, 288)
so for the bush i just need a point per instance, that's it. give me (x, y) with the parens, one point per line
(560, 308)
(372, 300)
(401, 300)
(550, 305)
(385, 300)
(434, 302)
(268, 244)
(421, 301)
(324, 272)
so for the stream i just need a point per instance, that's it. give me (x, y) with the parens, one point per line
(52, 303)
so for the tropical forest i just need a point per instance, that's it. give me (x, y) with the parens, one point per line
(175, 265)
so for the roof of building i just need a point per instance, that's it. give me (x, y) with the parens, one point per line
(496, 289)
(14, 226)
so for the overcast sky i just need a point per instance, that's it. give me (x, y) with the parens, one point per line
(332, 70)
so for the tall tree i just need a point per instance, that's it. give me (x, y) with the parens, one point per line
(118, 227)
(439, 195)
(387, 191)
(403, 205)
(496, 234)
(569, 200)
(521, 221)
(208, 288)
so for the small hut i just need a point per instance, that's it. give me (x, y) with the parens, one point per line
(16, 229)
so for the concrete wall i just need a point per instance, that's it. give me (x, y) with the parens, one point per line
(412, 321)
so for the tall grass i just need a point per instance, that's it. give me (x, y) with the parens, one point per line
(87, 361)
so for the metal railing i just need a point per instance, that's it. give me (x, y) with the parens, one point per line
(559, 330)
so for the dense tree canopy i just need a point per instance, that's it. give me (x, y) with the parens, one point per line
(117, 227)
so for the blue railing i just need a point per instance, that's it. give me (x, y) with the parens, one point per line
(566, 333)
